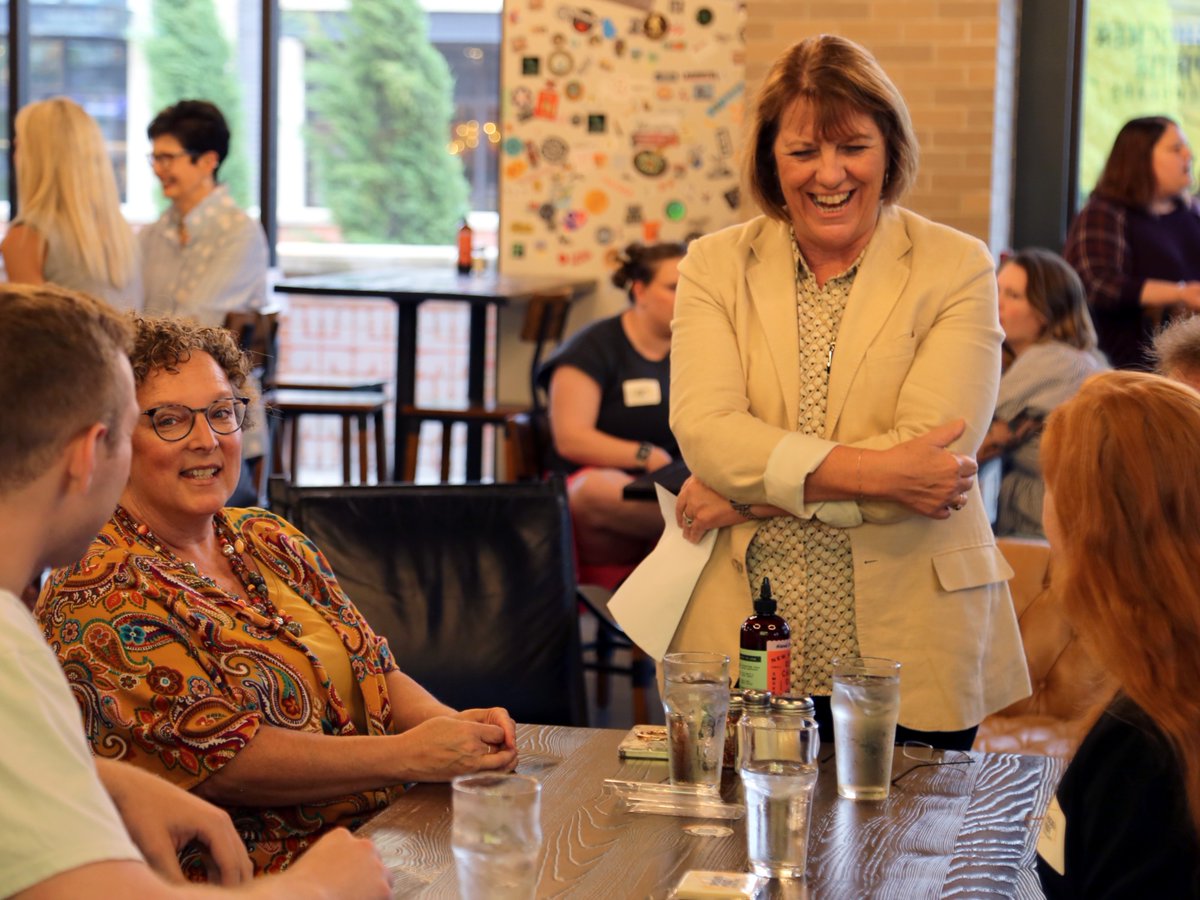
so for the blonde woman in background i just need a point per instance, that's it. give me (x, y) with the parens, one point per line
(69, 229)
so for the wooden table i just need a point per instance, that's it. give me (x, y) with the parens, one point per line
(408, 288)
(961, 831)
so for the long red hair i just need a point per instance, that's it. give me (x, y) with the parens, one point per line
(1122, 462)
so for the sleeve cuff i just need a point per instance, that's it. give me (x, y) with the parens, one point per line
(794, 458)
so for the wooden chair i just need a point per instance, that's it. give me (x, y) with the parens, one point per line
(545, 320)
(354, 408)
(357, 402)
(1068, 684)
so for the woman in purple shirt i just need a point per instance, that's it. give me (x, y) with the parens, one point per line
(1136, 243)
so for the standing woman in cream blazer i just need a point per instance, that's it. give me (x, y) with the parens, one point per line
(834, 366)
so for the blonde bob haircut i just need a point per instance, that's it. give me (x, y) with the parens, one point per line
(66, 188)
(839, 79)
(1119, 460)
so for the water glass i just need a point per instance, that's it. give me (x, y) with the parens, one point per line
(866, 706)
(496, 836)
(779, 775)
(696, 702)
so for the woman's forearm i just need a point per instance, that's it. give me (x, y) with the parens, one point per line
(281, 767)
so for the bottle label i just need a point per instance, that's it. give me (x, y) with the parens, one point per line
(766, 670)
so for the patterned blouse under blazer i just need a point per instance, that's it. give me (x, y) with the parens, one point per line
(176, 676)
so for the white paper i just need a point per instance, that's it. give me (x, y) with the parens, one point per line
(651, 601)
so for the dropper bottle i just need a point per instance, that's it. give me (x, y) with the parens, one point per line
(765, 654)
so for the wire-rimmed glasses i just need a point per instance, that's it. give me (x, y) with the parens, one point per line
(174, 422)
(164, 159)
(924, 755)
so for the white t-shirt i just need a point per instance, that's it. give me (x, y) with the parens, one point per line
(54, 813)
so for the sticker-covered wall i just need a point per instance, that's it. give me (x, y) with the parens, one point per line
(622, 122)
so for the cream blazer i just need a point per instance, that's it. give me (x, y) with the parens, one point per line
(918, 346)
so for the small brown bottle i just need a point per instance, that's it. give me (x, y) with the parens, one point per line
(765, 654)
(466, 248)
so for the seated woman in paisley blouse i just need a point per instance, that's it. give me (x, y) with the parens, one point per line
(214, 647)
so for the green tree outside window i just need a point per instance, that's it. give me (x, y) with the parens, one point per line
(190, 59)
(382, 102)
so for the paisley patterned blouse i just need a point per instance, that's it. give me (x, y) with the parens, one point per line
(176, 676)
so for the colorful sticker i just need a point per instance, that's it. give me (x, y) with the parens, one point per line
(704, 16)
(531, 65)
(560, 63)
(573, 90)
(554, 149)
(650, 162)
(547, 103)
(581, 19)
(574, 220)
(655, 26)
(518, 250)
(733, 197)
(676, 211)
(596, 123)
(514, 146)
(595, 201)
(650, 231)
(604, 235)
(633, 214)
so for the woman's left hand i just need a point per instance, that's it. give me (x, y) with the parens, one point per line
(700, 509)
(495, 715)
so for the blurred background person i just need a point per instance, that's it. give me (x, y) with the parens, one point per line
(69, 229)
(1176, 351)
(1136, 242)
(204, 256)
(74, 826)
(837, 360)
(258, 684)
(609, 389)
(1122, 503)
(1049, 333)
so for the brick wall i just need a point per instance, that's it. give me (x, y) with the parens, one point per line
(954, 61)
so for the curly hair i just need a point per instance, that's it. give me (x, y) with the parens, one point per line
(165, 342)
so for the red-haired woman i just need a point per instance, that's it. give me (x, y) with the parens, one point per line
(1121, 506)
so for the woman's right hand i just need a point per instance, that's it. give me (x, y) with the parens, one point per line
(443, 746)
(927, 477)
(337, 865)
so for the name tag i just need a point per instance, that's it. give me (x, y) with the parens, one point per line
(642, 392)
(1052, 839)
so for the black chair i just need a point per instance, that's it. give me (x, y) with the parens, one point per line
(472, 585)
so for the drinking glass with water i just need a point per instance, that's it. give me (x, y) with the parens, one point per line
(497, 835)
(779, 774)
(866, 707)
(696, 702)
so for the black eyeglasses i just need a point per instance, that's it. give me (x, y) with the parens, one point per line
(925, 755)
(174, 422)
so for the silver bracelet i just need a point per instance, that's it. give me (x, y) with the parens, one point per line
(743, 510)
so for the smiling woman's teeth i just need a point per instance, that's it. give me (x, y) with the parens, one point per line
(831, 201)
(200, 473)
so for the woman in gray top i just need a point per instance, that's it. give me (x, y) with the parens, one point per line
(1049, 333)
(69, 230)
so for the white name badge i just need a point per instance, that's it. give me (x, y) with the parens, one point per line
(1052, 839)
(642, 392)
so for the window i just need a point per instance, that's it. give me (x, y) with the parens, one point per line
(1141, 58)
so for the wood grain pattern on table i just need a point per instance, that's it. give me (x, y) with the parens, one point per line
(946, 831)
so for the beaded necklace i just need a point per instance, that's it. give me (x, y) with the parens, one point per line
(232, 549)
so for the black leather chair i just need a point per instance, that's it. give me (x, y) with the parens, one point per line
(473, 586)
